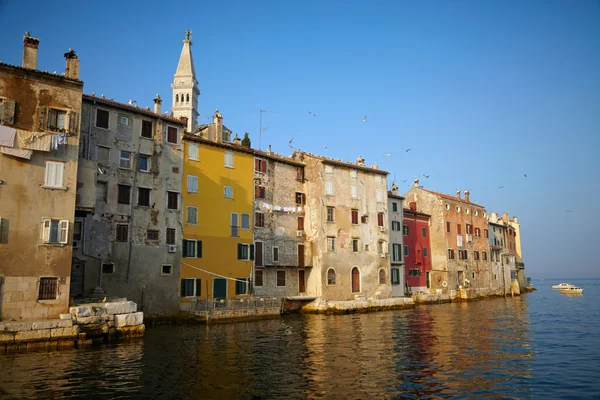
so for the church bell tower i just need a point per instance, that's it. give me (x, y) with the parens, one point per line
(185, 86)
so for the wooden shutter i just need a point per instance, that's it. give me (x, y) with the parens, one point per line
(256, 164)
(46, 230)
(183, 288)
(300, 223)
(73, 122)
(199, 249)
(239, 247)
(458, 229)
(63, 231)
(7, 112)
(259, 254)
(252, 252)
(184, 249)
(303, 198)
(198, 287)
(257, 192)
(43, 120)
(264, 166)
(301, 255)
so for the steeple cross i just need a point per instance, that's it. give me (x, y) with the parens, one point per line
(188, 34)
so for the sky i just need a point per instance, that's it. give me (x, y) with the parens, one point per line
(482, 92)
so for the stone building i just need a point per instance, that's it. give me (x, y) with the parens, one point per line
(39, 139)
(503, 251)
(396, 252)
(459, 250)
(417, 249)
(516, 236)
(282, 262)
(128, 223)
(185, 86)
(346, 228)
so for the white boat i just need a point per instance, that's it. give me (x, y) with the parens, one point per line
(563, 286)
(572, 290)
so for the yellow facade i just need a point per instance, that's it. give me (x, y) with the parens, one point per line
(224, 238)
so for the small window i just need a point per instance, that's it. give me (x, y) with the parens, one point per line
(125, 160)
(108, 268)
(234, 225)
(245, 221)
(101, 191)
(172, 200)
(124, 194)
(299, 174)
(396, 226)
(275, 254)
(331, 244)
(172, 135)
(484, 255)
(77, 228)
(102, 118)
(124, 121)
(226, 135)
(260, 165)
(300, 198)
(467, 211)
(48, 289)
(378, 179)
(259, 192)
(424, 232)
(144, 197)
(258, 277)
(147, 129)
(380, 220)
(405, 230)
(328, 169)
(457, 208)
(483, 214)
(245, 251)
(353, 173)
(192, 215)
(396, 252)
(103, 155)
(354, 191)
(459, 229)
(424, 251)
(447, 207)
(280, 277)
(355, 247)
(448, 227)
(451, 254)
(405, 251)
(152, 235)
(329, 188)
(382, 279)
(192, 248)
(171, 235)
(380, 247)
(188, 287)
(54, 174)
(364, 219)
(300, 223)
(144, 163)
(354, 217)
(56, 120)
(394, 206)
(476, 212)
(229, 159)
(55, 231)
(331, 276)
(330, 214)
(122, 231)
(166, 269)
(193, 151)
(228, 191)
(192, 184)
(259, 220)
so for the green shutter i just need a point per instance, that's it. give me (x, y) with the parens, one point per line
(252, 252)
(182, 294)
(43, 118)
(184, 249)
(198, 287)
(239, 251)
(199, 249)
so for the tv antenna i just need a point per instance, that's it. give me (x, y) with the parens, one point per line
(260, 129)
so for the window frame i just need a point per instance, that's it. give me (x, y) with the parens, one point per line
(277, 279)
(169, 130)
(331, 282)
(257, 282)
(162, 269)
(330, 244)
(119, 235)
(144, 157)
(61, 229)
(120, 187)
(228, 153)
(171, 232)
(53, 284)
(52, 182)
(191, 183)
(242, 222)
(149, 191)
(330, 214)
(151, 128)
(228, 192)
(177, 194)
(259, 222)
(196, 147)
(275, 254)
(107, 118)
(187, 215)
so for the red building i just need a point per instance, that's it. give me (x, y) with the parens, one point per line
(417, 251)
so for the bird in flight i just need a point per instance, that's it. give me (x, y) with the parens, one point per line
(387, 154)
(312, 114)
(324, 147)
(500, 187)
(525, 175)
(568, 210)
(407, 150)
(426, 176)
(365, 118)
(404, 181)
(291, 141)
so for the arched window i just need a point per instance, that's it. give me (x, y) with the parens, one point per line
(382, 276)
(331, 276)
(187, 99)
(355, 280)
(176, 98)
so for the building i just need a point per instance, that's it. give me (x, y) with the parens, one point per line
(417, 250)
(39, 140)
(395, 222)
(281, 269)
(346, 228)
(458, 248)
(185, 86)
(129, 213)
(503, 249)
(518, 251)
(218, 197)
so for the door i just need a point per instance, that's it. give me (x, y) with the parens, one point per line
(77, 268)
(301, 255)
(355, 280)
(397, 282)
(219, 288)
(428, 281)
(301, 281)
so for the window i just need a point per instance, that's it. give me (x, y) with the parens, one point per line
(188, 287)
(229, 159)
(234, 225)
(166, 269)
(483, 214)
(228, 192)
(259, 220)
(405, 251)
(469, 229)
(395, 276)
(380, 247)
(245, 251)
(353, 173)
(380, 219)
(448, 227)
(394, 206)
(192, 215)
(424, 251)
(172, 200)
(124, 194)
(101, 189)
(459, 229)
(457, 208)
(396, 252)
(124, 121)
(300, 223)
(240, 285)
(379, 195)
(280, 277)
(330, 214)
(258, 277)
(54, 174)
(275, 254)
(382, 276)
(476, 213)
(405, 230)
(396, 225)
(172, 135)
(329, 190)
(245, 221)
(171, 235)
(328, 169)
(259, 192)
(125, 160)
(354, 217)
(486, 233)
(103, 155)
(364, 219)
(466, 211)
(299, 174)
(122, 235)
(108, 268)
(260, 165)
(152, 235)
(355, 247)
(144, 163)
(77, 225)
(492, 255)
(55, 231)
(476, 255)
(226, 135)
(300, 198)
(424, 232)
(56, 120)
(48, 289)
(477, 232)
(192, 184)
(331, 276)
(484, 255)
(331, 244)
(451, 254)
(192, 248)
(447, 207)
(354, 191)
(102, 118)
(147, 129)
(193, 151)
(144, 197)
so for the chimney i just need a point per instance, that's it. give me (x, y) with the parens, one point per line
(467, 196)
(416, 183)
(394, 189)
(375, 166)
(515, 219)
(72, 68)
(505, 217)
(157, 104)
(30, 50)
(458, 193)
(269, 150)
(413, 205)
(218, 121)
(237, 140)
(360, 161)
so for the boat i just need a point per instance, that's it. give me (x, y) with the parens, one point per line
(572, 290)
(563, 286)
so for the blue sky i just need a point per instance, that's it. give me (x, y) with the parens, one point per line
(481, 91)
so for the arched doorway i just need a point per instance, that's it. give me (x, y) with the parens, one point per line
(355, 280)
(382, 276)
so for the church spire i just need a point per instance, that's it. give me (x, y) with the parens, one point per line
(185, 86)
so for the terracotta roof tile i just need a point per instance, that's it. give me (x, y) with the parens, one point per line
(341, 163)
(37, 71)
(133, 108)
(453, 198)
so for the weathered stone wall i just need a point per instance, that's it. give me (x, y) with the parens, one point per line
(270, 288)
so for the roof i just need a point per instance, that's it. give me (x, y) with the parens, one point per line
(44, 73)
(278, 157)
(185, 67)
(453, 198)
(409, 211)
(133, 108)
(347, 164)
(230, 146)
(395, 196)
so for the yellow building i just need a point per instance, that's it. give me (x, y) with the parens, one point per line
(217, 223)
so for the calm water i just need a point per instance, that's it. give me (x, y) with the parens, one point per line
(541, 345)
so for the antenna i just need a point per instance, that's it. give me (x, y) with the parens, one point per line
(260, 129)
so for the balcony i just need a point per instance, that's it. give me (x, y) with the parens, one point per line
(520, 265)
(469, 238)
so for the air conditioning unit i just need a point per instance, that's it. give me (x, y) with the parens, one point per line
(299, 233)
(75, 244)
(172, 249)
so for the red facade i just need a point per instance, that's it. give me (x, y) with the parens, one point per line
(417, 263)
